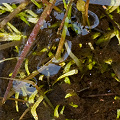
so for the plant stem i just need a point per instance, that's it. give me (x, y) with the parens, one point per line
(63, 21)
(86, 12)
(24, 113)
(62, 40)
(28, 45)
(14, 99)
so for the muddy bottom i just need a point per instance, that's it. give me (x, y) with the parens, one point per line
(94, 98)
(93, 90)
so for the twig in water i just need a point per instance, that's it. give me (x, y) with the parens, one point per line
(86, 12)
(14, 99)
(62, 23)
(28, 45)
(24, 113)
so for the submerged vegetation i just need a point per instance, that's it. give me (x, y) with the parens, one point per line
(56, 45)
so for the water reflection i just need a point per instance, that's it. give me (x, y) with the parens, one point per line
(77, 24)
(50, 70)
(11, 1)
(105, 2)
(66, 54)
(23, 88)
(100, 2)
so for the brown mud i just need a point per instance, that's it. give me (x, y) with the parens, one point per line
(95, 90)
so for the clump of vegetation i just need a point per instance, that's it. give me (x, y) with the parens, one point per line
(60, 25)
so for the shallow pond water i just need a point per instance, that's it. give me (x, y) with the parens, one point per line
(93, 89)
(105, 2)
(11, 1)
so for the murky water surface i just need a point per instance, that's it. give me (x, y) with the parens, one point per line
(98, 82)
(106, 2)
(11, 1)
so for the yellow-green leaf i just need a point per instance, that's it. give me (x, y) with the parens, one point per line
(73, 105)
(68, 95)
(118, 113)
(67, 80)
(26, 67)
(33, 109)
(61, 112)
(56, 114)
(80, 5)
(32, 96)
(16, 102)
(72, 72)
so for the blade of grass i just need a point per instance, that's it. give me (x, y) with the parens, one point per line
(62, 40)
(76, 60)
(33, 108)
(30, 82)
(86, 12)
(8, 59)
(63, 21)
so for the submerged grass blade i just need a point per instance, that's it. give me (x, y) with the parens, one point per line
(118, 113)
(106, 37)
(8, 7)
(26, 67)
(28, 45)
(32, 13)
(56, 114)
(67, 67)
(16, 102)
(33, 109)
(10, 37)
(8, 59)
(32, 96)
(37, 4)
(63, 108)
(76, 60)
(66, 20)
(13, 28)
(13, 14)
(72, 72)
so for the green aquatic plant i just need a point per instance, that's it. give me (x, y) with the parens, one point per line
(73, 65)
(29, 42)
(33, 109)
(56, 113)
(22, 15)
(14, 35)
(63, 35)
(72, 72)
